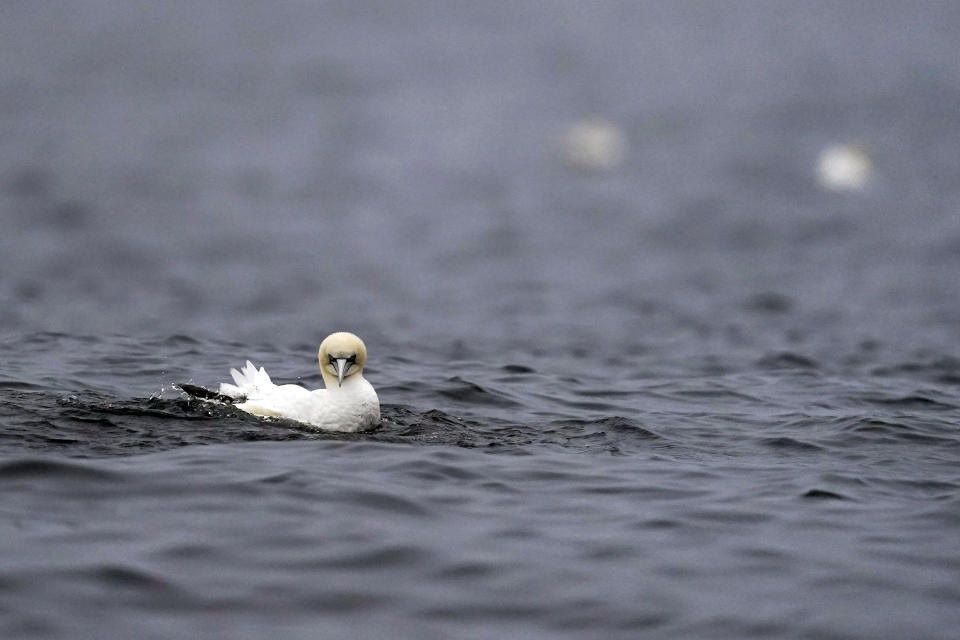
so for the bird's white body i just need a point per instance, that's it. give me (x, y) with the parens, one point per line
(351, 406)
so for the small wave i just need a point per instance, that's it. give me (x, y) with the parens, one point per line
(784, 443)
(130, 577)
(341, 601)
(179, 340)
(851, 433)
(517, 368)
(18, 385)
(42, 468)
(472, 393)
(910, 401)
(466, 570)
(382, 501)
(823, 494)
(613, 424)
(377, 558)
(786, 360)
(435, 471)
(892, 432)
(941, 369)
(769, 302)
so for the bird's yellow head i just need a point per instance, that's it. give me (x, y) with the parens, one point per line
(342, 355)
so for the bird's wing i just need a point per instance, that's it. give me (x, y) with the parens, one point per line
(249, 381)
(284, 401)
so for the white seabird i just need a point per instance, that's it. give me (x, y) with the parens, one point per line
(844, 167)
(349, 403)
(594, 144)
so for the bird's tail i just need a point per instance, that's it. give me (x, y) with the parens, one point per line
(247, 381)
(205, 394)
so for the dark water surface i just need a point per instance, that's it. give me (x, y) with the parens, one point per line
(688, 394)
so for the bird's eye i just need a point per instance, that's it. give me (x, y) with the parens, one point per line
(352, 359)
(331, 360)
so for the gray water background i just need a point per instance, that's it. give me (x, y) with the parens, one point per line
(693, 395)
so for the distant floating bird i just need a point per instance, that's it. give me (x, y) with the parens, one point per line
(844, 167)
(594, 143)
(349, 403)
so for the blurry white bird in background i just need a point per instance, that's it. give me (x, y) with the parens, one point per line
(844, 167)
(594, 144)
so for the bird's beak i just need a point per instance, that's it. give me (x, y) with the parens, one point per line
(342, 367)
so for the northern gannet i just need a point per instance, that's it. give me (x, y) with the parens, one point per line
(594, 144)
(349, 403)
(844, 167)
